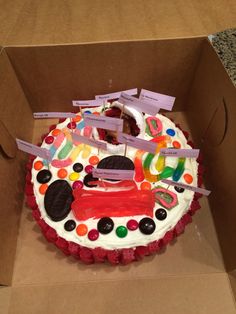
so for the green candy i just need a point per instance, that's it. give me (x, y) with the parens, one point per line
(121, 231)
(148, 160)
(65, 150)
(167, 172)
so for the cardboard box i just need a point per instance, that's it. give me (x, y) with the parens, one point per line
(196, 273)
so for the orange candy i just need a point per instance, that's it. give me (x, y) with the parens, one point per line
(38, 165)
(62, 173)
(76, 119)
(188, 178)
(55, 132)
(93, 160)
(145, 186)
(96, 113)
(176, 144)
(43, 188)
(81, 229)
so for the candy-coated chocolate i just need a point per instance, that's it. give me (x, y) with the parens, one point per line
(77, 185)
(43, 188)
(56, 132)
(62, 173)
(88, 169)
(188, 178)
(121, 231)
(77, 118)
(49, 139)
(81, 230)
(71, 125)
(93, 160)
(38, 165)
(105, 225)
(44, 176)
(170, 132)
(179, 189)
(69, 225)
(132, 224)
(88, 111)
(96, 113)
(93, 235)
(147, 225)
(161, 214)
(74, 176)
(78, 167)
(145, 186)
(176, 144)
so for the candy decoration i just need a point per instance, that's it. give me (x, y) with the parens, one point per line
(67, 147)
(188, 178)
(88, 169)
(116, 162)
(44, 176)
(93, 235)
(57, 143)
(93, 160)
(88, 178)
(121, 231)
(81, 230)
(71, 125)
(78, 167)
(167, 172)
(49, 139)
(88, 111)
(69, 225)
(154, 126)
(147, 226)
(176, 144)
(132, 225)
(77, 118)
(170, 132)
(145, 186)
(165, 197)
(74, 176)
(56, 132)
(97, 204)
(179, 189)
(139, 175)
(43, 188)
(179, 169)
(77, 185)
(105, 225)
(58, 199)
(160, 164)
(62, 173)
(161, 214)
(38, 165)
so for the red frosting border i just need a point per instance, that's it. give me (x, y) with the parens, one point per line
(100, 255)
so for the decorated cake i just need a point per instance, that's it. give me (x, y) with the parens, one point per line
(119, 221)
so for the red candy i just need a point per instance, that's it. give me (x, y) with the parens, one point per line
(71, 125)
(88, 169)
(97, 204)
(49, 139)
(132, 224)
(93, 235)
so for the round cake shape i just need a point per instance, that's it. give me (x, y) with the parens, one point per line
(174, 205)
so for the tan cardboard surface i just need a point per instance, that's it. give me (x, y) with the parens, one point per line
(37, 262)
(232, 278)
(35, 22)
(196, 294)
(16, 116)
(212, 89)
(5, 294)
(53, 76)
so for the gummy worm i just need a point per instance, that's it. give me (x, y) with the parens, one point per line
(58, 141)
(179, 169)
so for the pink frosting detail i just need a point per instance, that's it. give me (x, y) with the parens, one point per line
(154, 130)
(162, 201)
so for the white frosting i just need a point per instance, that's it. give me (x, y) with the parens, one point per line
(133, 238)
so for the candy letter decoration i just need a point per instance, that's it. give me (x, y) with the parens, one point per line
(154, 126)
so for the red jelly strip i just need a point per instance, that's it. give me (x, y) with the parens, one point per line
(97, 204)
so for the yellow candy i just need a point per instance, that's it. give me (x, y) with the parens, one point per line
(74, 176)
(160, 164)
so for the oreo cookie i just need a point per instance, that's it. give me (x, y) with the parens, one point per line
(58, 199)
(116, 162)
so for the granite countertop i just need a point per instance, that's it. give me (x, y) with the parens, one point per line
(225, 45)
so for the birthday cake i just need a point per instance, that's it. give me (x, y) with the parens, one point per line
(118, 221)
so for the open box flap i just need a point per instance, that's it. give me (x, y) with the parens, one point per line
(212, 114)
(51, 76)
(209, 294)
(15, 121)
(41, 22)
